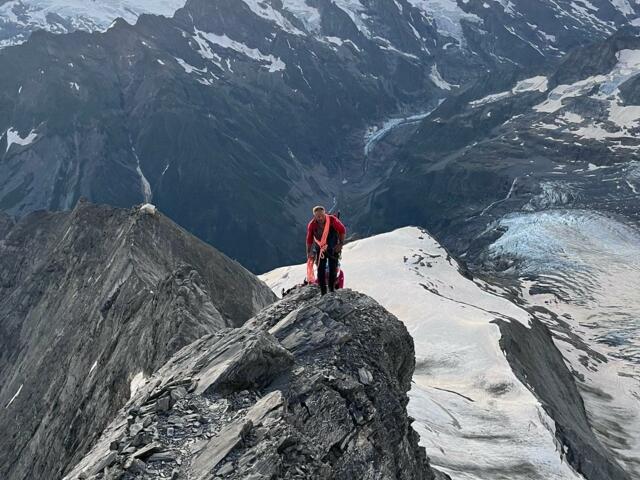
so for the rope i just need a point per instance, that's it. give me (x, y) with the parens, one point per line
(322, 244)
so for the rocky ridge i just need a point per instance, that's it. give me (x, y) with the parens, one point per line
(91, 302)
(311, 387)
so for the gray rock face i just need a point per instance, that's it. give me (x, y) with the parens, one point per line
(91, 301)
(6, 223)
(284, 396)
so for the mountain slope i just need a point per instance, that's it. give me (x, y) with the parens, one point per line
(248, 107)
(219, 106)
(309, 388)
(565, 139)
(91, 302)
(492, 395)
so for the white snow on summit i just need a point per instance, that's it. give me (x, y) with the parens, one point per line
(473, 415)
(18, 18)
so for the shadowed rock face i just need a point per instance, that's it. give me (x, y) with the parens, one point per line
(90, 299)
(6, 223)
(311, 387)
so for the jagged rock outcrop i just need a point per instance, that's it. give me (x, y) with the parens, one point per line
(91, 302)
(310, 388)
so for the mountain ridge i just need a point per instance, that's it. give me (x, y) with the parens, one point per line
(91, 300)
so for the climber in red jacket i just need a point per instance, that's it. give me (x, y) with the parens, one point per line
(325, 237)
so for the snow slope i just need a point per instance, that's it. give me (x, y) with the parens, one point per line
(18, 18)
(476, 420)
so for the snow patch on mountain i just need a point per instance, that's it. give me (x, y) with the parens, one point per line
(265, 10)
(614, 120)
(557, 96)
(188, 68)
(626, 117)
(596, 132)
(438, 80)
(586, 13)
(357, 14)
(13, 137)
(469, 407)
(136, 382)
(145, 186)
(308, 15)
(534, 84)
(14, 397)
(623, 6)
(572, 117)
(448, 17)
(273, 64)
(627, 67)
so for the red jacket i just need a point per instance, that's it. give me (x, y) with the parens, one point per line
(335, 225)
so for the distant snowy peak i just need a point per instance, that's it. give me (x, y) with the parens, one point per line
(522, 30)
(14, 137)
(19, 18)
(421, 31)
